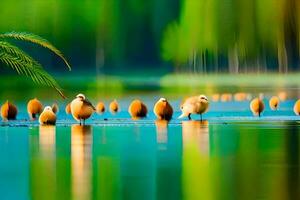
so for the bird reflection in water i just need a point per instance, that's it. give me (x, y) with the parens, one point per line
(196, 161)
(161, 134)
(81, 147)
(47, 140)
(196, 132)
(43, 163)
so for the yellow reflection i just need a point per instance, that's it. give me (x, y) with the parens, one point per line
(47, 140)
(81, 146)
(195, 160)
(162, 133)
(43, 164)
(196, 133)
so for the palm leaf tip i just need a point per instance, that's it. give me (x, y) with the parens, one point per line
(29, 37)
(22, 63)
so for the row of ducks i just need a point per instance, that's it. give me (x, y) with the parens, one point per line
(81, 108)
(241, 96)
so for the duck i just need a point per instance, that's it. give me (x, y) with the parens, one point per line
(68, 108)
(240, 96)
(100, 107)
(226, 97)
(194, 105)
(215, 97)
(137, 109)
(282, 96)
(47, 117)
(81, 108)
(274, 102)
(34, 108)
(55, 108)
(257, 106)
(163, 110)
(297, 107)
(114, 107)
(9, 111)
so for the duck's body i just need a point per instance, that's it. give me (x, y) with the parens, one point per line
(34, 108)
(194, 105)
(163, 110)
(81, 108)
(274, 103)
(8, 111)
(100, 107)
(137, 109)
(47, 117)
(297, 107)
(257, 106)
(114, 107)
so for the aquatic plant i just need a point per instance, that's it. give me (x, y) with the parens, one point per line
(23, 64)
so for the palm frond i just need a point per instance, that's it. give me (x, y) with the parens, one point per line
(29, 37)
(23, 64)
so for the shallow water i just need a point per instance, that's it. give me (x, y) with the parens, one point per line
(230, 155)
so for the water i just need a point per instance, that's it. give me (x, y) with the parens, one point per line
(230, 155)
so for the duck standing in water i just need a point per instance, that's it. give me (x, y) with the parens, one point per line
(81, 108)
(8, 111)
(68, 108)
(137, 109)
(48, 116)
(163, 110)
(274, 103)
(100, 107)
(114, 107)
(297, 107)
(34, 108)
(55, 108)
(257, 106)
(194, 105)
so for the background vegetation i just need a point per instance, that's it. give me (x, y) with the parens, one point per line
(113, 36)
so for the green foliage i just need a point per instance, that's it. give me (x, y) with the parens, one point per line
(29, 37)
(249, 31)
(24, 64)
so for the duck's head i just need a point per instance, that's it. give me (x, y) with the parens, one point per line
(162, 99)
(47, 108)
(203, 98)
(80, 96)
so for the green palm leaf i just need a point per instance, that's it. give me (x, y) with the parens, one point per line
(29, 37)
(22, 63)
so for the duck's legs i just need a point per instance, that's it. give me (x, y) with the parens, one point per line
(189, 116)
(201, 117)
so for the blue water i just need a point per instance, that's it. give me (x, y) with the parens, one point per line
(231, 155)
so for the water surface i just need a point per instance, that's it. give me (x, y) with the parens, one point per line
(230, 155)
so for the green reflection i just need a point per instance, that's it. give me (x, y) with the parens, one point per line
(193, 160)
(196, 171)
(42, 163)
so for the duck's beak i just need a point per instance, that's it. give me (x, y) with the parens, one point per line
(182, 116)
